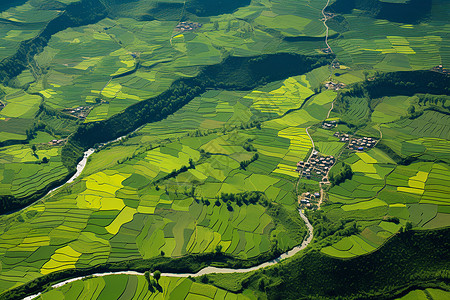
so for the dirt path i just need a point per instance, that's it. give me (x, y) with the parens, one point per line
(326, 26)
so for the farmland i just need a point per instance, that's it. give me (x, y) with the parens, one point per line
(136, 287)
(213, 111)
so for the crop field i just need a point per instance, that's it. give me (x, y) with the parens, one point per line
(425, 294)
(406, 47)
(391, 109)
(136, 287)
(113, 47)
(22, 173)
(426, 135)
(290, 96)
(118, 213)
(18, 113)
(220, 173)
(415, 193)
(21, 23)
(133, 207)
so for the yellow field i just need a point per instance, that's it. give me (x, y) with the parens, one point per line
(88, 62)
(410, 190)
(64, 258)
(125, 216)
(111, 90)
(290, 95)
(300, 143)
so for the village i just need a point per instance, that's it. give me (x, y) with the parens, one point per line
(187, 26)
(316, 167)
(80, 112)
(440, 69)
(336, 86)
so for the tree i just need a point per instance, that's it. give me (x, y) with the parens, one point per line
(216, 25)
(218, 249)
(44, 160)
(261, 284)
(411, 109)
(408, 226)
(33, 148)
(157, 275)
(204, 279)
(149, 280)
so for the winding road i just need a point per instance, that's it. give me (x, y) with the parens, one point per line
(207, 270)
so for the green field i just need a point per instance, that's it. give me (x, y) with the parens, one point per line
(136, 287)
(215, 172)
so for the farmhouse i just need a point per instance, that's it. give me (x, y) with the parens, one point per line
(441, 69)
(360, 143)
(329, 125)
(56, 142)
(187, 26)
(307, 199)
(80, 112)
(334, 85)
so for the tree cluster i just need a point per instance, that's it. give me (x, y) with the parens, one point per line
(345, 172)
(245, 163)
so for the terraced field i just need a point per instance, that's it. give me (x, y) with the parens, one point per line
(22, 172)
(218, 175)
(136, 287)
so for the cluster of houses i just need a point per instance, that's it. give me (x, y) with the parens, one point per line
(441, 69)
(327, 50)
(336, 65)
(316, 166)
(329, 124)
(187, 26)
(307, 198)
(80, 112)
(56, 142)
(343, 137)
(360, 144)
(334, 85)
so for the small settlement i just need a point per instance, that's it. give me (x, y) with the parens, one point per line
(187, 26)
(309, 199)
(80, 112)
(356, 143)
(360, 144)
(334, 85)
(329, 124)
(56, 142)
(343, 137)
(316, 167)
(441, 69)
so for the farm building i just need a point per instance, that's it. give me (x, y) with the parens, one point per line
(361, 143)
